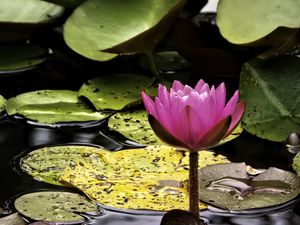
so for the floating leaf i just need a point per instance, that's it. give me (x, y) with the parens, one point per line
(13, 219)
(16, 58)
(47, 163)
(296, 163)
(134, 125)
(240, 22)
(275, 114)
(2, 103)
(234, 134)
(154, 178)
(52, 106)
(115, 91)
(55, 206)
(20, 18)
(119, 26)
(228, 186)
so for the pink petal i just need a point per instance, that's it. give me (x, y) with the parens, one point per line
(163, 116)
(187, 90)
(149, 104)
(231, 105)
(177, 85)
(220, 97)
(163, 96)
(205, 109)
(199, 85)
(205, 88)
(237, 116)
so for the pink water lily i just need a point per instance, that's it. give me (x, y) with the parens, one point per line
(193, 118)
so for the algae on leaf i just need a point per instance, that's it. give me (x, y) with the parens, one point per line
(55, 206)
(153, 178)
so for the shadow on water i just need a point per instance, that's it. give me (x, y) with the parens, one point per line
(17, 137)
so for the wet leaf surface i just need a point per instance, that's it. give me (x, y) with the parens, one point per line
(52, 106)
(115, 91)
(275, 114)
(20, 18)
(243, 24)
(55, 206)
(228, 186)
(115, 25)
(153, 178)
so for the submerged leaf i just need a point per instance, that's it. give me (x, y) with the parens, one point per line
(275, 114)
(15, 58)
(119, 26)
(115, 91)
(52, 106)
(135, 126)
(154, 178)
(244, 24)
(228, 186)
(47, 163)
(55, 206)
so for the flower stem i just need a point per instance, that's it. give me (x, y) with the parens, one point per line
(155, 71)
(193, 184)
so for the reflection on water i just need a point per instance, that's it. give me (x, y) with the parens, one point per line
(16, 138)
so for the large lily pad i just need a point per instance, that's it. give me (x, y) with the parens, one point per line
(55, 206)
(228, 186)
(67, 3)
(52, 106)
(47, 163)
(20, 18)
(119, 26)
(153, 178)
(243, 22)
(115, 91)
(16, 58)
(272, 112)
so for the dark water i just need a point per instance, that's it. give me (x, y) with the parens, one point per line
(16, 137)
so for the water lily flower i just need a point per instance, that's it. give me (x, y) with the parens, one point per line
(193, 118)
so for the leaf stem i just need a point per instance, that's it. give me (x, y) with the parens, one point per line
(193, 184)
(153, 67)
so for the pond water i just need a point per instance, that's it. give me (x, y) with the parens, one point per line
(17, 136)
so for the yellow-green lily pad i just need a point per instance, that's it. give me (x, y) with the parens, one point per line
(55, 206)
(135, 126)
(52, 106)
(47, 163)
(152, 178)
(115, 91)
(2, 103)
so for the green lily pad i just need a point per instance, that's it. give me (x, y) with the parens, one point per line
(153, 178)
(15, 58)
(47, 163)
(296, 163)
(275, 114)
(2, 103)
(118, 26)
(52, 106)
(20, 18)
(228, 186)
(135, 126)
(55, 206)
(243, 22)
(115, 91)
